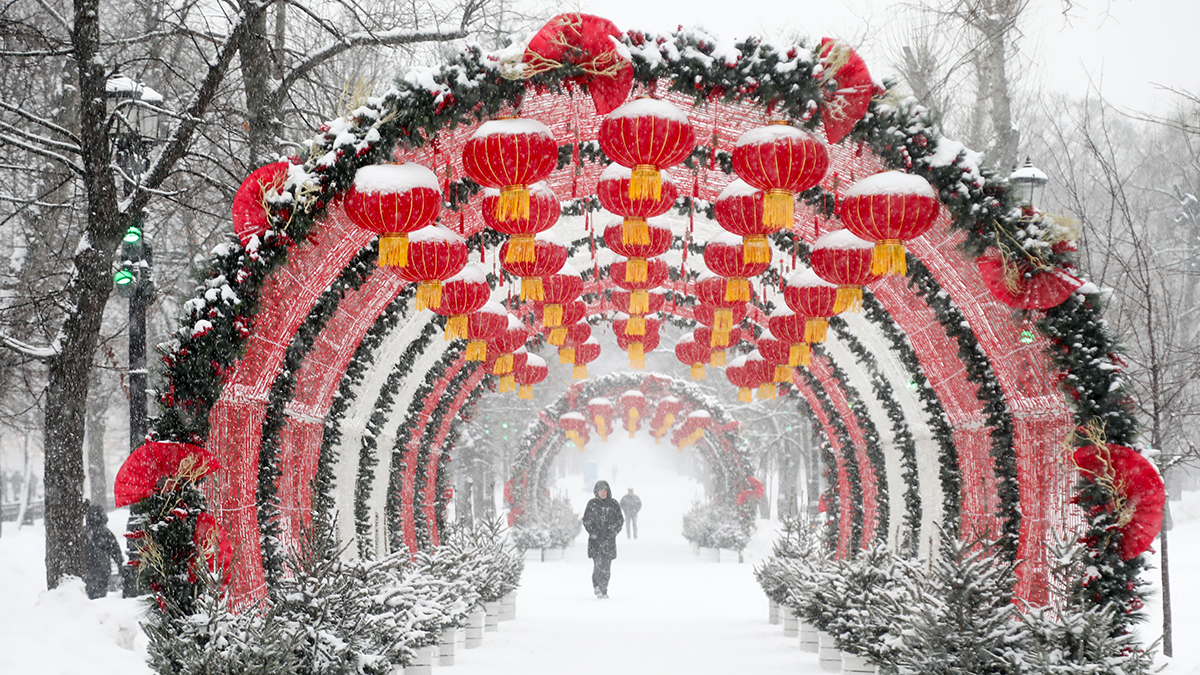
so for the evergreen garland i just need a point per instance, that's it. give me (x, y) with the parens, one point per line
(849, 459)
(433, 427)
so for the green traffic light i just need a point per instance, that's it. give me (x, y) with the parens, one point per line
(123, 277)
(133, 235)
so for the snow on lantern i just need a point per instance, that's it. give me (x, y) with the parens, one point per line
(887, 209)
(639, 300)
(550, 254)
(574, 426)
(393, 201)
(657, 242)
(723, 254)
(843, 259)
(434, 255)
(633, 409)
(510, 155)
(692, 429)
(600, 412)
(533, 372)
(503, 344)
(483, 325)
(743, 377)
(790, 328)
(613, 192)
(647, 135)
(516, 360)
(764, 372)
(569, 313)
(633, 326)
(462, 294)
(558, 289)
(664, 417)
(544, 210)
(585, 353)
(706, 315)
(691, 353)
(576, 334)
(637, 346)
(780, 160)
(709, 338)
(739, 209)
(637, 321)
(815, 299)
(779, 354)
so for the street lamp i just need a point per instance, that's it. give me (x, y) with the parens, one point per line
(1028, 184)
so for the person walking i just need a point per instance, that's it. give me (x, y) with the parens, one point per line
(602, 519)
(630, 505)
(99, 547)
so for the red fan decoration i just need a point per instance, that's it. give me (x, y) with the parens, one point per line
(584, 354)
(510, 155)
(1136, 492)
(779, 354)
(483, 325)
(613, 192)
(212, 544)
(600, 412)
(1017, 285)
(250, 208)
(781, 160)
(812, 297)
(544, 210)
(589, 44)
(691, 353)
(753, 492)
(394, 200)
(791, 328)
(888, 208)
(852, 96)
(739, 209)
(647, 135)
(550, 254)
(637, 346)
(843, 259)
(153, 461)
(723, 254)
(434, 255)
(534, 371)
(639, 301)
(462, 294)
(657, 242)
(576, 334)
(558, 289)
(574, 426)
(633, 406)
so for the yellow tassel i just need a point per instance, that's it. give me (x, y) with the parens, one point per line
(393, 250)
(744, 395)
(514, 204)
(635, 231)
(849, 298)
(575, 438)
(766, 391)
(717, 360)
(697, 371)
(504, 365)
(580, 371)
(668, 421)
(477, 350)
(645, 182)
(601, 427)
(697, 435)
(552, 315)
(521, 248)
(783, 373)
(888, 258)
(756, 250)
(799, 355)
(508, 383)
(532, 289)
(720, 338)
(637, 356)
(456, 326)
(815, 329)
(737, 288)
(639, 302)
(636, 325)
(636, 270)
(429, 295)
(566, 355)
(723, 320)
(779, 209)
(557, 336)
(525, 392)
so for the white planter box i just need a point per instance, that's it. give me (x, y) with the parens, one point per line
(709, 554)
(423, 664)
(491, 622)
(475, 628)
(773, 612)
(829, 657)
(791, 623)
(508, 606)
(852, 664)
(446, 647)
(808, 638)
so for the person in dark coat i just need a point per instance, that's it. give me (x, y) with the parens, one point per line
(602, 519)
(100, 547)
(630, 505)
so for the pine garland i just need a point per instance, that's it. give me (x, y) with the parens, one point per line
(849, 458)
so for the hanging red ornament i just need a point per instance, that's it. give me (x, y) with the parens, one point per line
(647, 135)
(745, 378)
(534, 371)
(483, 325)
(574, 426)
(434, 255)
(585, 353)
(1019, 285)
(600, 413)
(510, 155)
(550, 254)
(723, 254)
(781, 160)
(462, 294)
(637, 346)
(623, 300)
(576, 334)
(779, 354)
(843, 259)
(665, 411)
(633, 409)
(505, 343)
(889, 208)
(790, 328)
(657, 242)
(393, 200)
(763, 371)
(154, 464)
(1136, 492)
(707, 315)
(711, 339)
(814, 298)
(568, 314)
(850, 99)
(251, 208)
(613, 192)
(710, 291)
(558, 289)
(212, 544)
(589, 44)
(544, 211)
(739, 209)
(515, 361)
(624, 324)
(656, 274)
(692, 429)
(691, 353)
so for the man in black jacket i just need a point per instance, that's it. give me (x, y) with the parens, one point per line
(630, 505)
(602, 519)
(100, 549)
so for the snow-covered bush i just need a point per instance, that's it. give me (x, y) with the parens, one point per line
(800, 540)
(868, 602)
(716, 525)
(554, 525)
(491, 568)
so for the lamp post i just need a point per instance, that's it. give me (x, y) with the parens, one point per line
(1028, 184)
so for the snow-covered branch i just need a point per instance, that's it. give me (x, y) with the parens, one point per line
(25, 114)
(26, 349)
(37, 150)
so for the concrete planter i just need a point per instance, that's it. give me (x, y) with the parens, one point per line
(447, 646)
(423, 663)
(508, 606)
(829, 657)
(491, 621)
(791, 623)
(773, 612)
(808, 638)
(475, 628)
(852, 664)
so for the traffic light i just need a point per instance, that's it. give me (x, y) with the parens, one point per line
(134, 273)
(125, 280)
(131, 243)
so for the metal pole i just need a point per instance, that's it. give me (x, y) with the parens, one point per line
(137, 364)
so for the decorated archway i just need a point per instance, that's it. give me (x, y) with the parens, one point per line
(311, 375)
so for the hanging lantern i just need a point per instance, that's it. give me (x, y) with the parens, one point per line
(647, 135)
(613, 192)
(574, 426)
(393, 200)
(434, 255)
(656, 242)
(483, 325)
(623, 324)
(462, 294)
(633, 406)
(781, 160)
(533, 372)
(558, 289)
(639, 301)
(710, 291)
(550, 254)
(600, 412)
(692, 429)
(571, 313)
(724, 255)
(762, 371)
(584, 354)
(510, 155)
(664, 417)
(503, 344)
(812, 297)
(779, 354)
(691, 353)
(889, 208)
(744, 378)
(516, 360)
(790, 328)
(843, 259)
(637, 346)
(654, 303)
(706, 315)
(710, 338)
(739, 209)
(544, 210)
(576, 334)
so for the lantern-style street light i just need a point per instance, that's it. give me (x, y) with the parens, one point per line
(1028, 184)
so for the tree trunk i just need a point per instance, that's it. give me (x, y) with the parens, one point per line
(1167, 646)
(263, 123)
(96, 425)
(1007, 138)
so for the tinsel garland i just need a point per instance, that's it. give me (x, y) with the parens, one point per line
(849, 458)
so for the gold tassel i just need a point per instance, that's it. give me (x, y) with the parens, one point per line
(566, 355)
(637, 356)
(521, 248)
(636, 325)
(580, 371)
(477, 350)
(888, 258)
(717, 360)
(723, 320)
(849, 298)
(551, 315)
(744, 395)
(456, 326)
(779, 209)
(756, 250)
(783, 373)
(601, 427)
(557, 336)
(532, 289)
(815, 329)
(799, 355)
(720, 338)
(635, 231)
(514, 204)
(631, 423)
(766, 391)
(525, 392)
(697, 371)
(645, 182)
(504, 365)
(636, 270)
(575, 438)
(668, 421)
(393, 250)
(639, 302)
(737, 288)
(429, 294)
(507, 384)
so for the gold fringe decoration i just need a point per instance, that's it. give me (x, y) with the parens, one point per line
(639, 301)
(737, 288)
(525, 392)
(532, 289)
(779, 209)
(717, 359)
(456, 326)
(636, 269)
(635, 231)
(552, 314)
(507, 383)
(601, 427)
(783, 373)
(815, 329)
(849, 298)
(755, 249)
(723, 320)
(799, 354)
(429, 294)
(504, 365)
(766, 391)
(745, 395)
(557, 336)
(645, 182)
(575, 438)
(477, 350)
(521, 248)
(636, 325)
(514, 203)
(697, 371)
(566, 355)
(888, 258)
(579, 372)
(393, 250)
(631, 425)
(637, 356)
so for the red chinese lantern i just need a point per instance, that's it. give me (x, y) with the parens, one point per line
(710, 338)
(647, 135)
(550, 254)
(544, 210)
(634, 326)
(1135, 488)
(664, 417)
(745, 378)
(577, 334)
(558, 289)
(639, 300)
(790, 328)
(613, 192)
(637, 321)
(534, 371)
(483, 325)
(250, 208)
(710, 292)
(510, 155)
(763, 371)
(584, 354)
(570, 313)
(691, 353)
(781, 160)
(692, 429)
(434, 255)
(812, 297)
(600, 412)
(502, 345)
(574, 427)
(739, 209)
(633, 403)
(462, 294)
(888, 208)
(637, 346)
(657, 242)
(723, 254)
(507, 381)
(779, 354)
(706, 315)
(843, 259)
(393, 200)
